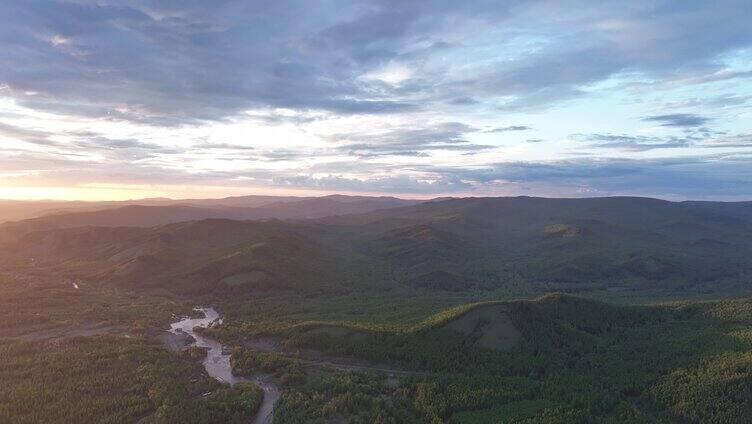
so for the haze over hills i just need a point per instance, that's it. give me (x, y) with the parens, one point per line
(230, 207)
(160, 300)
(152, 212)
(369, 293)
(15, 210)
(397, 307)
(522, 244)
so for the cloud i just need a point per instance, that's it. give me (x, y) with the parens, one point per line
(444, 132)
(632, 143)
(695, 177)
(222, 146)
(396, 184)
(716, 176)
(408, 141)
(730, 141)
(200, 62)
(715, 76)
(27, 135)
(463, 101)
(274, 155)
(678, 120)
(700, 139)
(170, 63)
(150, 82)
(507, 129)
(717, 102)
(83, 144)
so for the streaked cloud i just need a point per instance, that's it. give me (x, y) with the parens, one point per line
(429, 97)
(507, 129)
(678, 120)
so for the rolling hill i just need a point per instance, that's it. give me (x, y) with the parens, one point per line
(231, 207)
(618, 246)
(237, 208)
(561, 358)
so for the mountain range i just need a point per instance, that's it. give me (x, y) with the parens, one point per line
(616, 245)
(153, 212)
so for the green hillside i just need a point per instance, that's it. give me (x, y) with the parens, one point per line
(557, 358)
(626, 247)
(561, 359)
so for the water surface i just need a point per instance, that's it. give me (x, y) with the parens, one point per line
(217, 361)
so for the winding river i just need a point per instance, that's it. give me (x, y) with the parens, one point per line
(217, 362)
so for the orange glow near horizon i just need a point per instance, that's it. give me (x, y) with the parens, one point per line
(74, 193)
(120, 192)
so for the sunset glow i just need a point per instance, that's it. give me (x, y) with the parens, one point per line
(490, 100)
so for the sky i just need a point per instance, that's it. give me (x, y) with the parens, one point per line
(113, 99)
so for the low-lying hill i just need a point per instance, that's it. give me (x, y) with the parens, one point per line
(490, 326)
(557, 358)
(126, 216)
(17, 210)
(611, 246)
(151, 215)
(192, 256)
(569, 242)
(320, 207)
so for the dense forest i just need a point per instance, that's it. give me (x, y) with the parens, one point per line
(429, 313)
(113, 380)
(522, 247)
(577, 361)
(566, 359)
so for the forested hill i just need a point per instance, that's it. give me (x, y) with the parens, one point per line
(157, 213)
(616, 243)
(523, 245)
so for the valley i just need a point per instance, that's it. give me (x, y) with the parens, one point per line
(217, 361)
(375, 212)
(517, 310)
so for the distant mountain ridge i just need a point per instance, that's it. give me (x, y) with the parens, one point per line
(150, 215)
(520, 245)
(16, 210)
